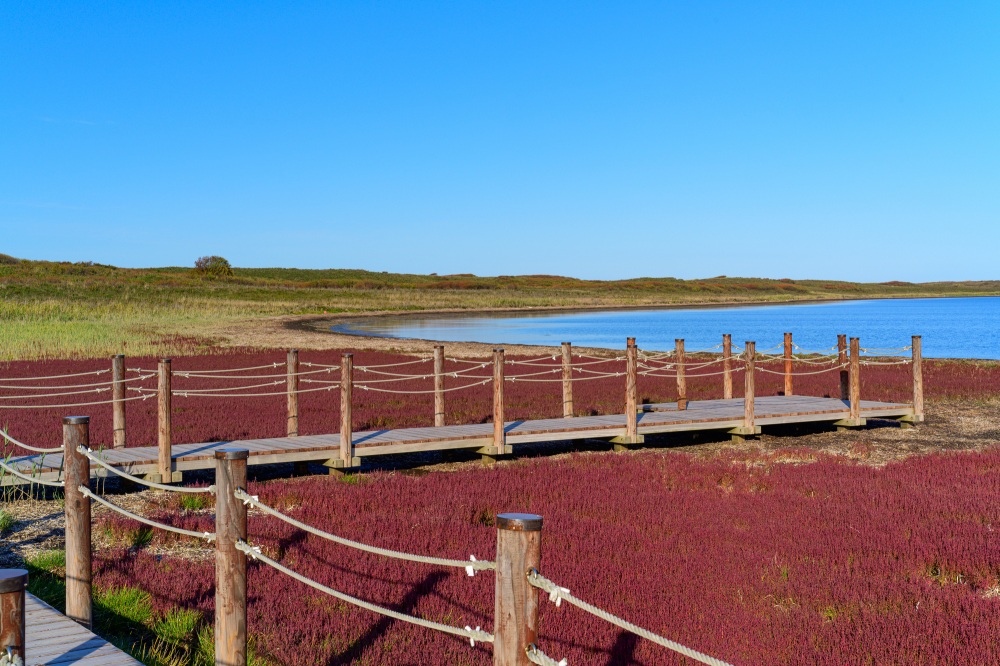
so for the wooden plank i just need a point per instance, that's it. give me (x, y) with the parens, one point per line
(55, 640)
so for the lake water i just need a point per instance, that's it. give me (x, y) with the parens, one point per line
(951, 327)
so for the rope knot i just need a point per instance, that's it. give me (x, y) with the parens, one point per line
(471, 570)
(472, 639)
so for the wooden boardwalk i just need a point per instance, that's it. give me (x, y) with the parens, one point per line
(654, 419)
(52, 639)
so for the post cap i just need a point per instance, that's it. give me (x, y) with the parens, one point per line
(13, 580)
(76, 420)
(293, 351)
(118, 356)
(231, 453)
(347, 355)
(165, 360)
(519, 522)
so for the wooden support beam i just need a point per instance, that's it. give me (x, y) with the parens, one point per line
(682, 401)
(346, 423)
(788, 364)
(918, 379)
(855, 379)
(749, 428)
(499, 434)
(727, 366)
(165, 467)
(118, 400)
(631, 393)
(292, 365)
(845, 383)
(13, 583)
(515, 622)
(438, 386)
(230, 563)
(567, 379)
(76, 433)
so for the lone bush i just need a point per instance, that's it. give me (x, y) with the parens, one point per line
(213, 267)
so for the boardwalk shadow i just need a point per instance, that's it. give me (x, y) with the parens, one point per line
(354, 652)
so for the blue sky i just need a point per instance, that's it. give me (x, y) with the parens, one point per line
(850, 140)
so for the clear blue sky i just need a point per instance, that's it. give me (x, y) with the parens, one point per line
(854, 140)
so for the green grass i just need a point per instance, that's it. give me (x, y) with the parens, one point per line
(57, 310)
(7, 521)
(126, 618)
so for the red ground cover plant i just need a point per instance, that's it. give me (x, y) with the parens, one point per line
(752, 561)
(199, 419)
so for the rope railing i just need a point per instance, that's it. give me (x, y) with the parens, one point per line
(8, 658)
(38, 379)
(365, 387)
(536, 656)
(56, 395)
(558, 594)
(69, 386)
(86, 492)
(195, 374)
(767, 371)
(26, 446)
(29, 479)
(136, 479)
(78, 404)
(276, 364)
(471, 565)
(474, 635)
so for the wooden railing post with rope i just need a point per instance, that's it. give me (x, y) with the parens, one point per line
(788, 363)
(681, 377)
(118, 397)
(13, 584)
(499, 446)
(749, 427)
(845, 382)
(854, 388)
(230, 562)
(163, 432)
(438, 386)
(515, 621)
(727, 367)
(567, 379)
(347, 460)
(292, 421)
(918, 379)
(631, 398)
(76, 433)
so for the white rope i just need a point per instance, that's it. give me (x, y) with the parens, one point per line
(30, 479)
(195, 374)
(29, 448)
(801, 374)
(473, 635)
(54, 395)
(10, 659)
(447, 390)
(396, 365)
(149, 393)
(78, 404)
(904, 361)
(207, 536)
(321, 365)
(536, 656)
(65, 386)
(471, 566)
(177, 489)
(38, 379)
(556, 594)
(227, 389)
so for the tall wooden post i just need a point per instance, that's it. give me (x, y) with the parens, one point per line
(682, 401)
(845, 391)
(515, 624)
(855, 379)
(346, 396)
(118, 400)
(165, 465)
(749, 426)
(788, 364)
(567, 379)
(292, 365)
(230, 563)
(76, 433)
(13, 583)
(727, 366)
(631, 391)
(918, 379)
(499, 435)
(438, 385)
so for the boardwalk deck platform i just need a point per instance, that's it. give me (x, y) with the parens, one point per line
(52, 639)
(653, 419)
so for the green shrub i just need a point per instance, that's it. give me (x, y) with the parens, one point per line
(213, 266)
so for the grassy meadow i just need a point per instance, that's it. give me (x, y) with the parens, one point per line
(83, 310)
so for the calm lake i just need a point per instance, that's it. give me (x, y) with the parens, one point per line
(951, 327)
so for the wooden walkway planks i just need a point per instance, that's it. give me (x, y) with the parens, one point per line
(52, 639)
(653, 419)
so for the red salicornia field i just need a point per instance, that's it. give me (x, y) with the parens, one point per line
(791, 557)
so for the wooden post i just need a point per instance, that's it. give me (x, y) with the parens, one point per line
(118, 398)
(76, 432)
(844, 374)
(499, 436)
(567, 379)
(682, 402)
(515, 624)
(13, 583)
(727, 367)
(855, 379)
(748, 387)
(788, 364)
(918, 379)
(631, 399)
(165, 466)
(230, 563)
(292, 365)
(438, 386)
(346, 395)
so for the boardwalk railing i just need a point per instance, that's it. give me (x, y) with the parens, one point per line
(293, 377)
(517, 566)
